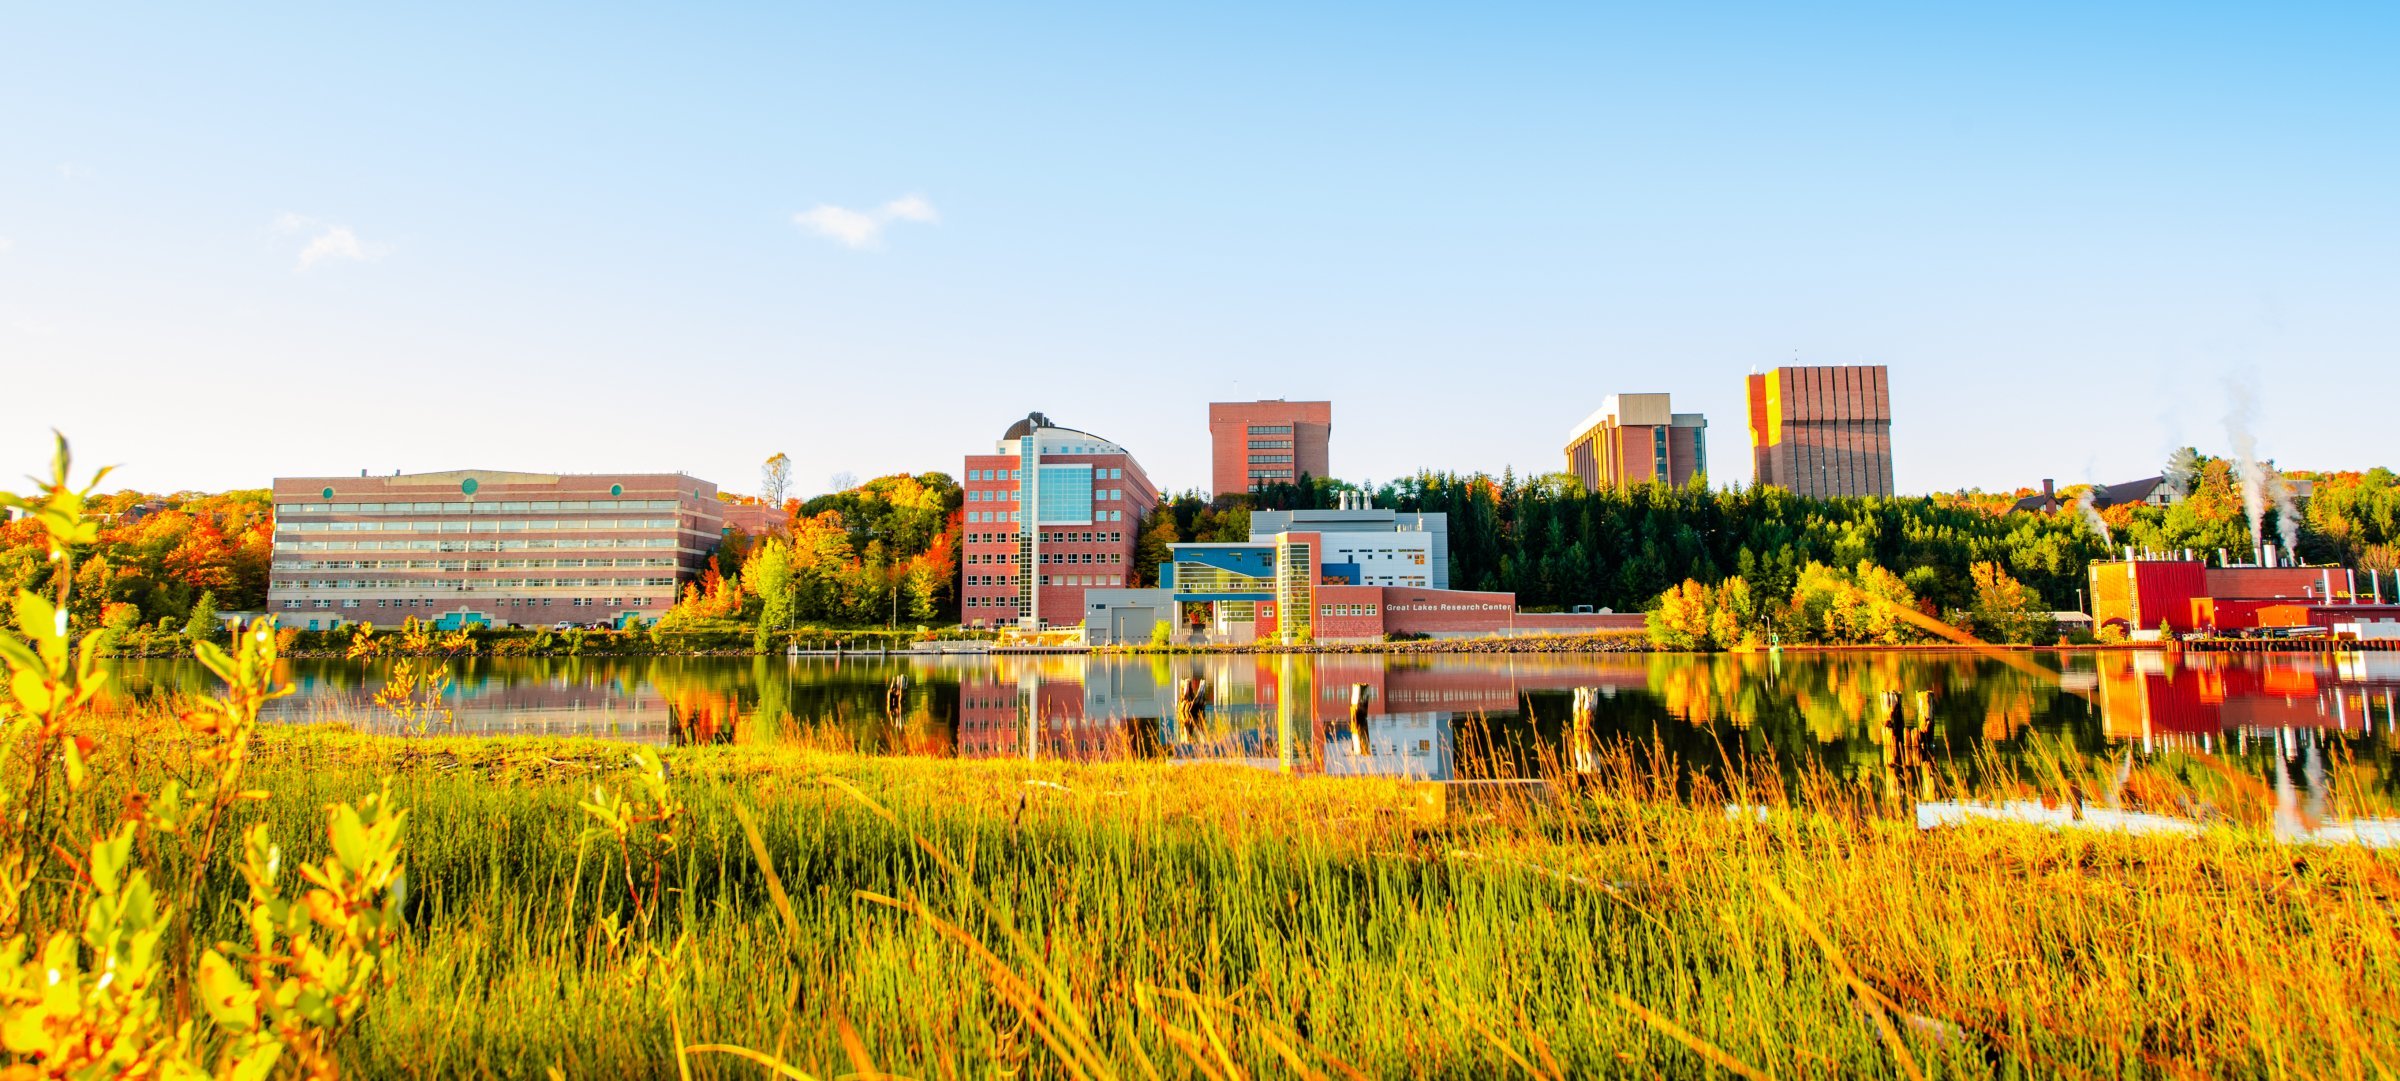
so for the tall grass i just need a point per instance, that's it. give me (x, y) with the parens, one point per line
(950, 919)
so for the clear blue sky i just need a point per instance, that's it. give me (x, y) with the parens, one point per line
(247, 243)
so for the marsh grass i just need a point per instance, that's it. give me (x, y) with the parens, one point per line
(842, 914)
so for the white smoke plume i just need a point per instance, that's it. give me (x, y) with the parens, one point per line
(2287, 519)
(2091, 514)
(2243, 409)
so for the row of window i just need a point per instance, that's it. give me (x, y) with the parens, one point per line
(443, 602)
(1269, 459)
(475, 546)
(1363, 554)
(1009, 495)
(462, 565)
(1061, 558)
(530, 525)
(471, 507)
(463, 583)
(995, 517)
(1098, 473)
(1330, 610)
(1270, 444)
(1086, 580)
(1270, 429)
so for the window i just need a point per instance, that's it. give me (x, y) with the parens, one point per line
(1270, 444)
(1270, 429)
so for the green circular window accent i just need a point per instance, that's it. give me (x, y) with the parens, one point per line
(328, 493)
(468, 486)
(616, 489)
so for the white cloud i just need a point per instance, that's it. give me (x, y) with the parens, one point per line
(6, 243)
(68, 170)
(326, 241)
(863, 229)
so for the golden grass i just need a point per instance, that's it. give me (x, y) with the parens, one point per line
(830, 914)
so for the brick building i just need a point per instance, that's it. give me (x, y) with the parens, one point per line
(1050, 513)
(487, 546)
(1267, 442)
(1822, 431)
(1636, 438)
(756, 519)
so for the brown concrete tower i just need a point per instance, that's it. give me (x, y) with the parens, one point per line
(1822, 431)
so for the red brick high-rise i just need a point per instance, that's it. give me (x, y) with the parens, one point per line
(1051, 512)
(1267, 442)
(1822, 431)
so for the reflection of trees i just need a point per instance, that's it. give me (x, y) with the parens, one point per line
(1832, 708)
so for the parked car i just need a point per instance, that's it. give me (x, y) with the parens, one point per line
(562, 625)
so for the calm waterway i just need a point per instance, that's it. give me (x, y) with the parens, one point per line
(2293, 720)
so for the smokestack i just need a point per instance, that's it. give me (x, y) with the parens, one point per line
(2049, 493)
(2268, 557)
(2128, 553)
(2221, 560)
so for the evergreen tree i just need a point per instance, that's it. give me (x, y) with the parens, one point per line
(204, 626)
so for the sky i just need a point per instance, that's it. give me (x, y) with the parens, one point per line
(298, 241)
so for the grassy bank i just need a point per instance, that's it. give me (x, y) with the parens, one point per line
(1207, 920)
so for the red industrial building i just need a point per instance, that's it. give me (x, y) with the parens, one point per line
(2186, 596)
(1253, 444)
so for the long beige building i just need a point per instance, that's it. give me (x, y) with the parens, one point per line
(1822, 431)
(480, 545)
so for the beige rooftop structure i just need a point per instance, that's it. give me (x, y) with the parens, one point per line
(1635, 439)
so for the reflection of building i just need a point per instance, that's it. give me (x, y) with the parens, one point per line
(1412, 745)
(1636, 438)
(487, 546)
(1050, 513)
(1253, 444)
(2197, 698)
(1822, 431)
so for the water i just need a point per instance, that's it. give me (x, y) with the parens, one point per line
(2295, 723)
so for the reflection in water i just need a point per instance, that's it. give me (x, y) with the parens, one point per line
(1891, 722)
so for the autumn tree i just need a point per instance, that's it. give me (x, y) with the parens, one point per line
(1151, 547)
(2006, 611)
(1680, 620)
(770, 576)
